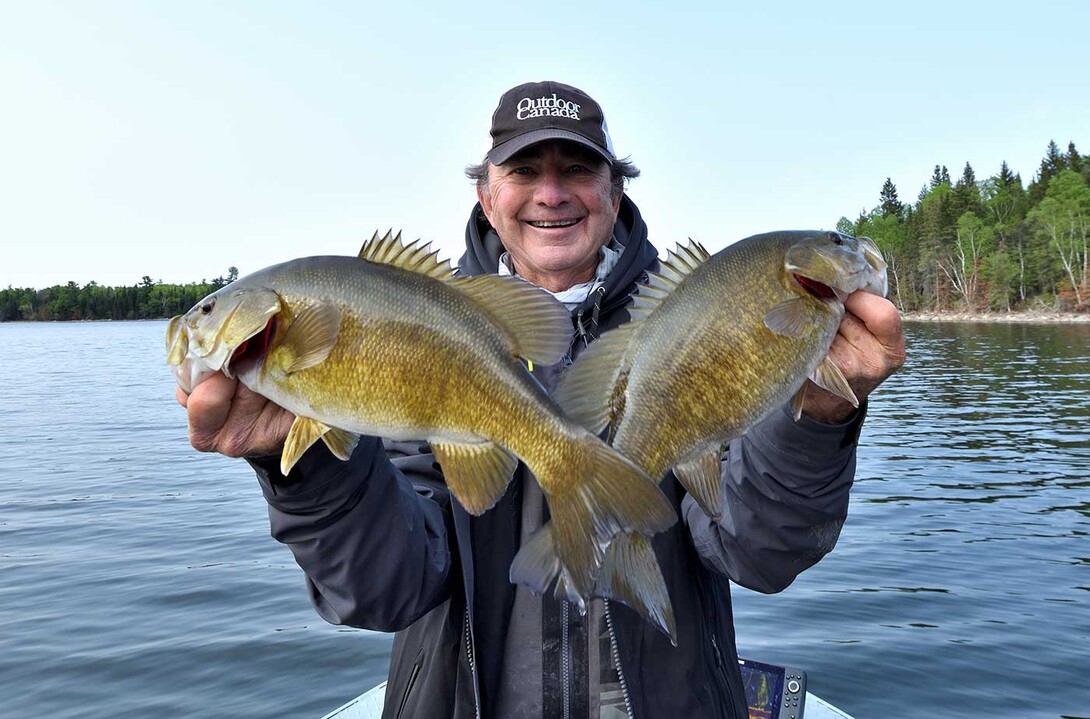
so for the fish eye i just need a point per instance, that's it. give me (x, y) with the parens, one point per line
(836, 238)
(207, 307)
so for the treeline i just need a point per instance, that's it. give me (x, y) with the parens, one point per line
(988, 245)
(147, 300)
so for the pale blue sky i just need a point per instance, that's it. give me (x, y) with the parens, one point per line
(176, 139)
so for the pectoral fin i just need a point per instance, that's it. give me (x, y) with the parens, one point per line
(311, 337)
(477, 474)
(305, 432)
(829, 377)
(700, 475)
(789, 319)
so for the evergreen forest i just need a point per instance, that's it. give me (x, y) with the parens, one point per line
(144, 301)
(968, 245)
(971, 245)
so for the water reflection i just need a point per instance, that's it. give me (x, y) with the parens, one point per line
(959, 586)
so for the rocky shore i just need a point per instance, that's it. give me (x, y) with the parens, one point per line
(1030, 316)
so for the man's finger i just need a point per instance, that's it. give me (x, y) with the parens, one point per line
(209, 404)
(878, 315)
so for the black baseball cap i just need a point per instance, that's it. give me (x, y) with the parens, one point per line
(539, 111)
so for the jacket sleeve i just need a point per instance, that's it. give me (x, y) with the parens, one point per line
(372, 534)
(785, 488)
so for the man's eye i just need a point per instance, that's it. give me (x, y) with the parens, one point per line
(524, 170)
(578, 169)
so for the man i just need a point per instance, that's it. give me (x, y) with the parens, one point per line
(384, 547)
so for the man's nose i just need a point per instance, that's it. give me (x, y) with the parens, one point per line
(551, 190)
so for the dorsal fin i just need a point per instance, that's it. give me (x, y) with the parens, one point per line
(390, 250)
(685, 259)
(678, 265)
(538, 327)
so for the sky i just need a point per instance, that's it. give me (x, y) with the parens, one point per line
(175, 140)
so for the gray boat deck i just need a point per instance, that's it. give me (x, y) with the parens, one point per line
(369, 706)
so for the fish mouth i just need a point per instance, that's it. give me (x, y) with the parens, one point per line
(817, 289)
(252, 351)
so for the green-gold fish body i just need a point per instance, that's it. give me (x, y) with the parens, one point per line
(716, 343)
(391, 344)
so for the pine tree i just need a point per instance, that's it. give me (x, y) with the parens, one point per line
(966, 196)
(1074, 160)
(936, 177)
(968, 177)
(891, 206)
(1053, 161)
(1006, 177)
(1051, 165)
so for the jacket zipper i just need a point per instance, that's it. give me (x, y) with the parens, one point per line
(718, 654)
(565, 660)
(472, 666)
(719, 663)
(615, 648)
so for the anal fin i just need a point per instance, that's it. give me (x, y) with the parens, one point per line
(477, 474)
(631, 574)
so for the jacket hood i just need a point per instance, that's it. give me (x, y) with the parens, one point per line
(483, 250)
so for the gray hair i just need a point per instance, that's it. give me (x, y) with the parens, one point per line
(620, 172)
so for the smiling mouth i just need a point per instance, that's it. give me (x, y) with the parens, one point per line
(552, 223)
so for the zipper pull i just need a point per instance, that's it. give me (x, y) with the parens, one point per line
(718, 655)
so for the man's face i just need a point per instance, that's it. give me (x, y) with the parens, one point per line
(552, 207)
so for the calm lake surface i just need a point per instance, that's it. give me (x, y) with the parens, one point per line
(137, 577)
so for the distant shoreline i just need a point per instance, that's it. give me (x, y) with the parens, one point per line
(1028, 317)
(1023, 316)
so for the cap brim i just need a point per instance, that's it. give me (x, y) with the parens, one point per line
(502, 153)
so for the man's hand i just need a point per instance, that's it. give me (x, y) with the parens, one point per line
(868, 348)
(226, 417)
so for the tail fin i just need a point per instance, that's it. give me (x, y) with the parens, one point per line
(595, 500)
(630, 574)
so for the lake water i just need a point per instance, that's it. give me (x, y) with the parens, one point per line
(137, 577)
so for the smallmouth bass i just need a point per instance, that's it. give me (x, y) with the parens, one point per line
(391, 344)
(715, 344)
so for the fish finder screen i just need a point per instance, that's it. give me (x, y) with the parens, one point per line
(764, 689)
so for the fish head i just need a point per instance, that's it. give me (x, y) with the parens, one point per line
(189, 370)
(832, 265)
(228, 328)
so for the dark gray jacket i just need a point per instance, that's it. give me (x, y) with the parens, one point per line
(385, 548)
